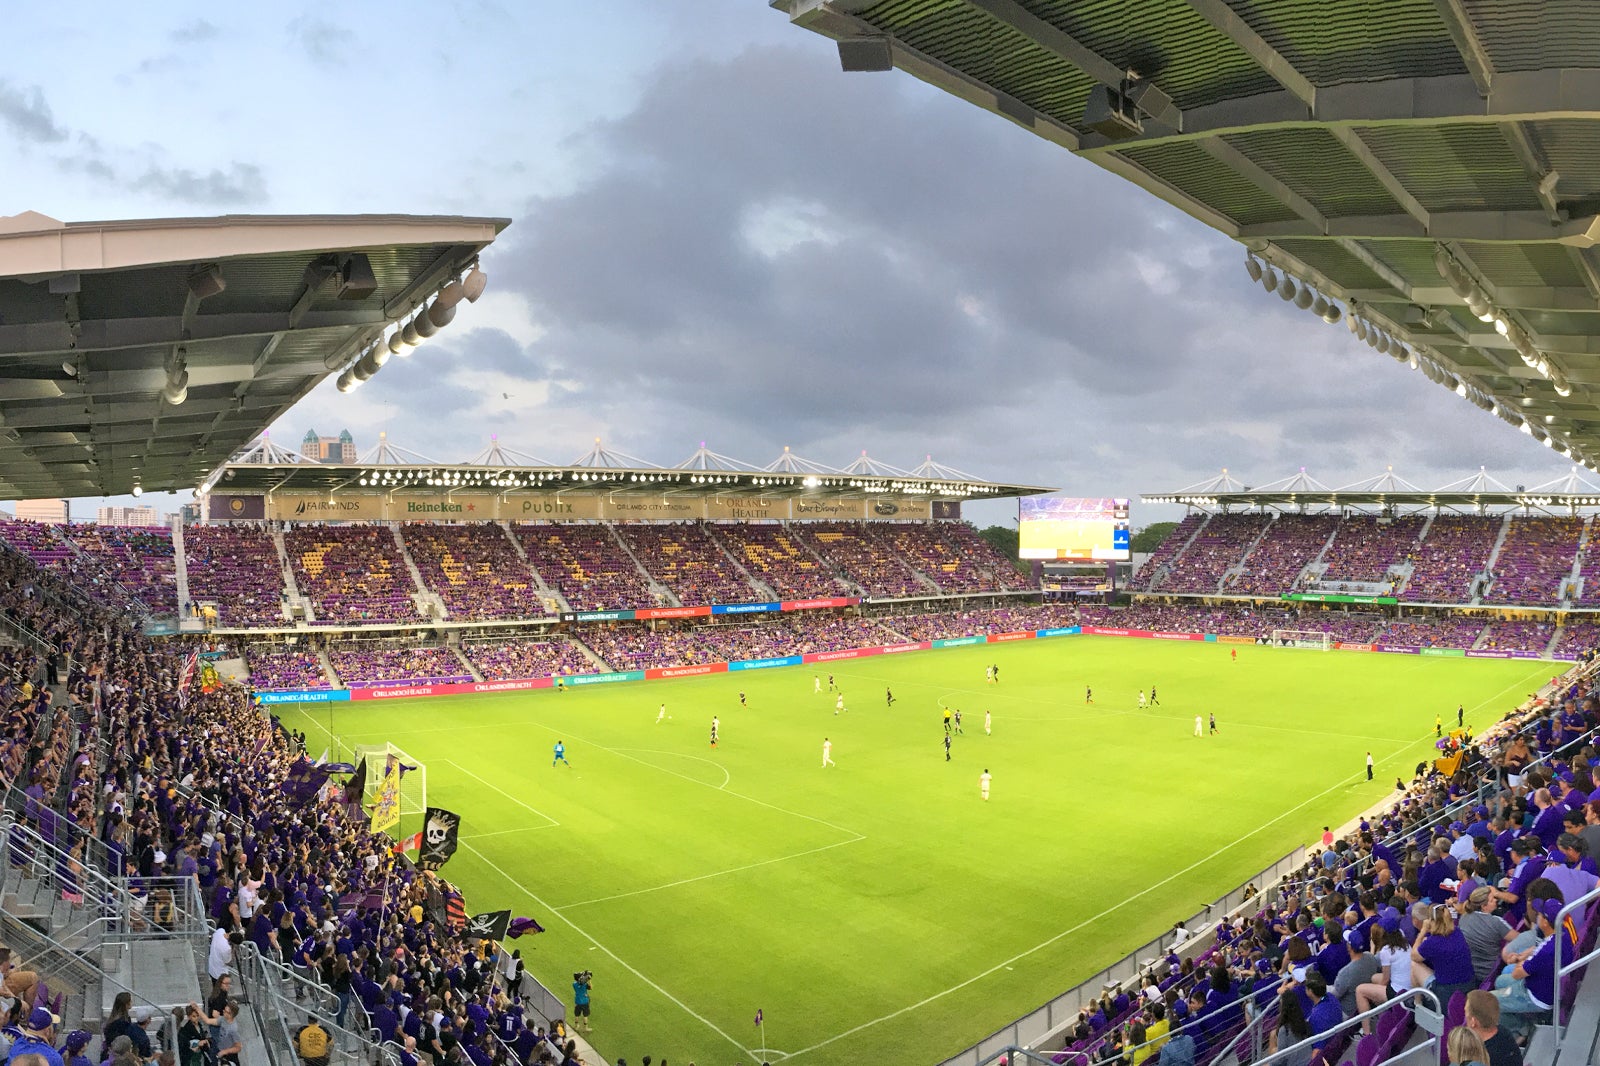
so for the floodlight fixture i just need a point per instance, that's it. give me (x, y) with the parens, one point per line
(1303, 298)
(138, 489)
(473, 284)
(424, 325)
(1286, 289)
(1269, 278)
(440, 314)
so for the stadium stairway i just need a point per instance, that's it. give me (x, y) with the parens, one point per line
(296, 599)
(1162, 571)
(658, 590)
(461, 656)
(762, 589)
(1238, 569)
(327, 669)
(592, 655)
(827, 568)
(546, 590)
(1574, 583)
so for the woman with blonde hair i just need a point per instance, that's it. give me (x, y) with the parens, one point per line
(1441, 957)
(1466, 1048)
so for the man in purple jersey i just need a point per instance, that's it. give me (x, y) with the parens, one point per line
(1529, 991)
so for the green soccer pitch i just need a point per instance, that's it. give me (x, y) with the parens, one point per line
(878, 909)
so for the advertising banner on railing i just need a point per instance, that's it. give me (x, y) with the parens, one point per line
(1453, 652)
(646, 613)
(1501, 653)
(765, 664)
(1344, 646)
(606, 679)
(958, 642)
(745, 608)
(1338, 597)
(1227, 638)
(819, 604)
(695, 670)
(453, 688)
(1066, 631)
(1395, 649)
(313, 695)
(1006, 638)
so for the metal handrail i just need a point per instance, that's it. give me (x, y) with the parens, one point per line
(1414, 995)
(1577, 906)
(266, 976)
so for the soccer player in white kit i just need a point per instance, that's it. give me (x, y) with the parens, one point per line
(661, 714)
(838, 704)
(827, 752)
(816, 684)
(985, 723)
(1141, 699)
(983, 784)
(1197, 725)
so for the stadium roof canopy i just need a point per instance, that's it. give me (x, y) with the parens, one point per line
(103, 325)
(1430, 167)
(1301, 493)
(266, 467)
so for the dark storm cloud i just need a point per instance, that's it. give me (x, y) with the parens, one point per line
(771, 252)
(27, 115)
(240, 184)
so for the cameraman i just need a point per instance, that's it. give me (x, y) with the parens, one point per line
(581, 984)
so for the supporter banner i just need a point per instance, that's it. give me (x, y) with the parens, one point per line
(1334, 597)
(441, 830)
(1069, 631)
(763, 664)
(745, 608)
(243, 508)
(957, 642)
(696, 670)
(1003, 638)
(315, 695)
(606, 679)
(671, 612)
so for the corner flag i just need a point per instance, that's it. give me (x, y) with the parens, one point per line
(759, 1016)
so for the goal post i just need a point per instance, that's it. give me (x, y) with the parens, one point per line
(1302, 638)
(413, 777)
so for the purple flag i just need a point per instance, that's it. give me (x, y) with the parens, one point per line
(522, 927)
(303, 783)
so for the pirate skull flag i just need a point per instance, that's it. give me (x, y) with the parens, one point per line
(440, 829)
(490, 925)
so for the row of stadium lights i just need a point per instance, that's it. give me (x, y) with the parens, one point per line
(471, 478)
(428, 320)
(1305, 297)
(1478, 302)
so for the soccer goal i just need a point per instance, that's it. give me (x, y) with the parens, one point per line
(1302, 638)
(413, 776)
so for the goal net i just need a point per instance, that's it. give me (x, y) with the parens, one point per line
(1302, 638)
(413, 777)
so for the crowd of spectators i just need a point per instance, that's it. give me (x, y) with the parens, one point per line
(953, 556)
(860, 558)
(475, 569)
(584, 562)
(368, 665)
(352, 574)
(1215, 550)
(683, 557)
(948, 625)
(1449, 558)
(1167, 550)
(1366, 548)
(140, 559)
(236, 568)
(1274, 564)
(780, 560)
(1440, 632)
(1535, 561)
(505, 660)
(1519, 635)
(285, 668)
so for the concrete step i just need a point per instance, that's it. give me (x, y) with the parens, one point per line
(255, 1045)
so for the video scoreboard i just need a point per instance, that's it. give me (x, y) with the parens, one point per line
(1072, 529)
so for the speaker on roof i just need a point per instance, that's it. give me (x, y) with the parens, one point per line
(868, 54)
(356, 281)
(1111, 114)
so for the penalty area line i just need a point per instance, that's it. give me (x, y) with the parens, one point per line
(613, 956)
(503, 792)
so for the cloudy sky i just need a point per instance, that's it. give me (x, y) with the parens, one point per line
(720, 237)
